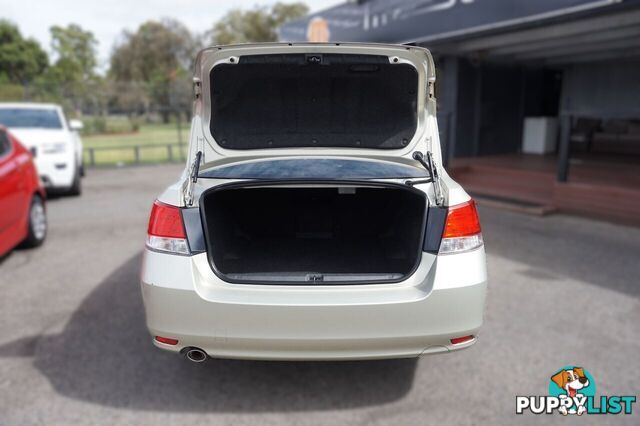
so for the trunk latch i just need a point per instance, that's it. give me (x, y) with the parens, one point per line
(314, 59)
(315, 277)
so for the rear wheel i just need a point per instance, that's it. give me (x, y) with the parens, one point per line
(37, 223)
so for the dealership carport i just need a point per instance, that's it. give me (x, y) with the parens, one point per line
(500, 64)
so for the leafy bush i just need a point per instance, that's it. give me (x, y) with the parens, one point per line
(11, 92)
(105, 125)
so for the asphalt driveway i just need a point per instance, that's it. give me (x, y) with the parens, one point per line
(74, 349)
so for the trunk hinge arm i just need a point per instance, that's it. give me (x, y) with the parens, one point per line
(193, 178)
(434, 176)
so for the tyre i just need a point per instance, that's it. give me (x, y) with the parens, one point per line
(76, 186)
(37, 223)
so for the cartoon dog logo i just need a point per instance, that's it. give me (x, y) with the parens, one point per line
(571, 381)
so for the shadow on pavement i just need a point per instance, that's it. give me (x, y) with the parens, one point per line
(25, 346)
(104, 356)
(554, 246)
(5, 256)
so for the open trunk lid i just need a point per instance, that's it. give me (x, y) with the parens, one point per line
(349, 100)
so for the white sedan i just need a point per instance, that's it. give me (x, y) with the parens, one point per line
(314, 221)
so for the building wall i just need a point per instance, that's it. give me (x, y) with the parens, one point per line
(468, 79)
(456, 84)
(501, 109)
(482, 105)
(446, 95)
(602, 90)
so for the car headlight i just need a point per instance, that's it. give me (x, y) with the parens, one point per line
(54, 148)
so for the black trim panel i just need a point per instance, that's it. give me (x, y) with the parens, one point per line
(194, 230)
(436, 218)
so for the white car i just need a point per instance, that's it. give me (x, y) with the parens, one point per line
(314, 220)
(55, 143)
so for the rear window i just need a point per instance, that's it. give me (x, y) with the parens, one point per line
(30, 118)
(313, 100)
(314, 168)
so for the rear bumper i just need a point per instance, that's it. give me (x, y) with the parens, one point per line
(418, 316)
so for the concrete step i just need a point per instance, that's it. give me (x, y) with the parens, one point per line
(514, 205)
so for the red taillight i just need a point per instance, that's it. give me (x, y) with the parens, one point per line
(462, 221)
(165, 221)
(167, 340)
(464, 339)
(166, 230)
(461, 230)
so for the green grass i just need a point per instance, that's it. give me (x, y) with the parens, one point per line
(118, 148)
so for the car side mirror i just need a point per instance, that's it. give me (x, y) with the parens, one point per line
(76, 125)
(34, 151)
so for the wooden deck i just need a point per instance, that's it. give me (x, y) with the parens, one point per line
(603, 187)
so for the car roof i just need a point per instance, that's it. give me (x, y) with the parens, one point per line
(29, 105)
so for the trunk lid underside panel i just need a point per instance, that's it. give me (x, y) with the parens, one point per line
(336, 100)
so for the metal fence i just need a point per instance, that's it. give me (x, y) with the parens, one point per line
(134, 154)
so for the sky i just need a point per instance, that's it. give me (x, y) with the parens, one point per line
(107, 18)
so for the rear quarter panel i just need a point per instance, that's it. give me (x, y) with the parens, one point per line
(18, 182)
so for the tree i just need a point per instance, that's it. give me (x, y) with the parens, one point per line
(21, 60)
(72, 77)
(159, 56)
(71, 80)
(259, 24)
(75, 49)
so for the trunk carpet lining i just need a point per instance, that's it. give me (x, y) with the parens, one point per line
(314, 230)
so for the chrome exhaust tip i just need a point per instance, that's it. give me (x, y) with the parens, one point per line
(196, 355)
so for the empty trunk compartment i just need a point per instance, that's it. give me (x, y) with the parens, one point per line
(329, 233)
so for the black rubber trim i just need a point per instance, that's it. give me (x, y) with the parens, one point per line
(245, 184)
(436, 218)
(194, 230)
(302, 59)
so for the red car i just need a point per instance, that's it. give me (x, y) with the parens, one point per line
(23, 219)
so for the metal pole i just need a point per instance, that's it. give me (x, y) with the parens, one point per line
(564, 148)
(170, 152)
(92, 157)
(477, 109)
(136, 153)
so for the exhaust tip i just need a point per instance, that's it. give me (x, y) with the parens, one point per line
(196, 355)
